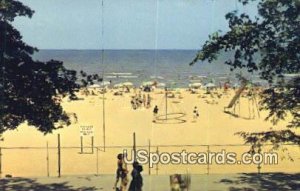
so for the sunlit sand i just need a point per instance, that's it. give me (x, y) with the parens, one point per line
(213, 127)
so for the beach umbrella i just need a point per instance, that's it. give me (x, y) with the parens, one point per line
(105, 83)
(157, 77)
(161, 85)
(120, 85)
(128, 84)
(148, 83)
(95, 86)
(210, 85)
(195, 85)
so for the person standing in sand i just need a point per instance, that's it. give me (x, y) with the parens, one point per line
(121, 174)
(155, 112)
(144, 100)
(148, 101)
(195, 113)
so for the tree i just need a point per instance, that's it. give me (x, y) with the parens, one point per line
(29, 89)
(273, 39)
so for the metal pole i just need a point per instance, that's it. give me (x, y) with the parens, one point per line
(102, 62)
(97, 161)
(149, 150)
(134, 147)
(259, 165)
(92, 140)
(47, 158)
(208, 160)
(59, 156)
(157, 163)
(81, 144)
(103, 104)
(166, 92)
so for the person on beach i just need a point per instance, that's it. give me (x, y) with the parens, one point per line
(195, 113)
(121, 174)
(155, 112)
(136, 183)
(133, 103)
(148, 101)
(144, 100)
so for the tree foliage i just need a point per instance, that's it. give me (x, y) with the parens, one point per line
(270, 45)
(29, 89)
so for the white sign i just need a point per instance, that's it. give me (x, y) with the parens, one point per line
(87, 130)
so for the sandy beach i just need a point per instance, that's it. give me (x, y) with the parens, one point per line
(213, 127)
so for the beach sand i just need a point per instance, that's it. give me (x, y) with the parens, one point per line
(213, 127)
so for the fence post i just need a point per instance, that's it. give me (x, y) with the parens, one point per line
(92, 140)
(157, 163)
(208, 160)
(134, 147)
(47, 158)
(149, 150)
(259, 166)
(81, 144)
(59, 156)
(97, 161)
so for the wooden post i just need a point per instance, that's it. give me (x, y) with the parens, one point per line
(166, 103)
(59, 156)
(157, 163)
(97, 161)
(134, 147)
(92, 140)
(81, 144)
(103, 116)
(259, 165)
(0, 162)
(102, 62)
(149, 150)
(47, 158)
(208, 160)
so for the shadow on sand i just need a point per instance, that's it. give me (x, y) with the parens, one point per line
(26, 184)
(238, 116)
(264, 182)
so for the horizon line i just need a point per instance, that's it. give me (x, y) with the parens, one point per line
(111, 49)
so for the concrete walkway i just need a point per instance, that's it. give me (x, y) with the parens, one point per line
(213, 182)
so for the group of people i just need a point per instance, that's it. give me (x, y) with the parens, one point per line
(195, 112)
(140, 100)
(136, 183)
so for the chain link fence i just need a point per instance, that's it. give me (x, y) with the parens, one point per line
(50, 160)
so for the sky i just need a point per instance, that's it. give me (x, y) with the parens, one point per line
(125, 24)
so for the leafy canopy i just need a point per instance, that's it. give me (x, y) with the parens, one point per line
(269, 45)
(29, 89)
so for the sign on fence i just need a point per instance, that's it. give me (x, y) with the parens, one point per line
(87, 130)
